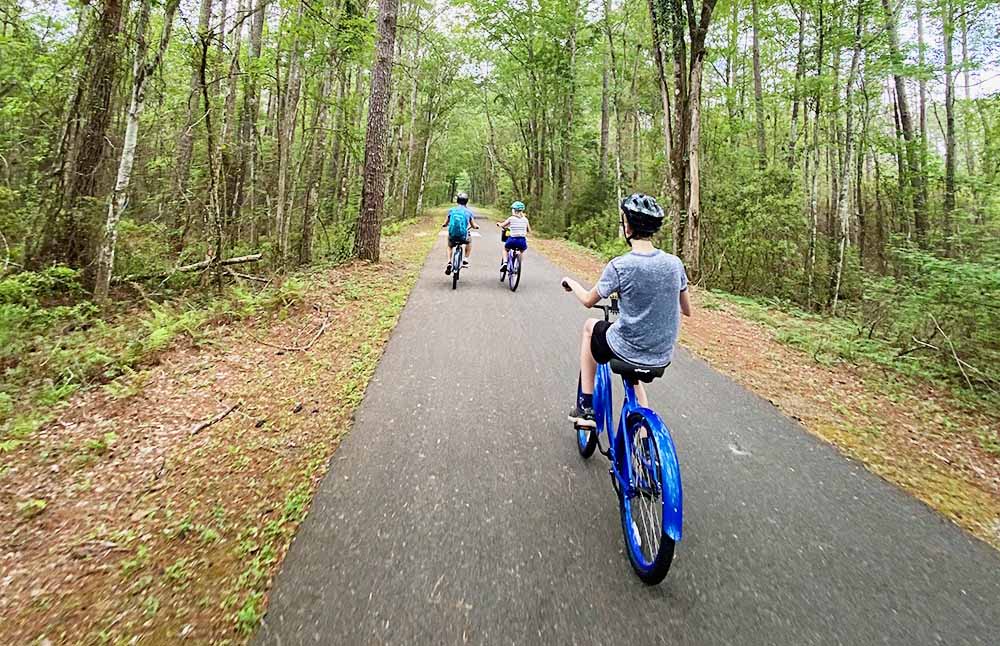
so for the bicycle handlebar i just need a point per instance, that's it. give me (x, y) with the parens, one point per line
(609, 308)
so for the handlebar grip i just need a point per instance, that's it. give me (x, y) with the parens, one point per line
(566, 286)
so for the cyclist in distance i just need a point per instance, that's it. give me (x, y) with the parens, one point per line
(515, 233)
(652, 290)
(460, 219)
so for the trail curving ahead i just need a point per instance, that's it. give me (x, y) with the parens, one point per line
(458, 510)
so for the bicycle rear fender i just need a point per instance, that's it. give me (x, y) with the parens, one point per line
(673, 505)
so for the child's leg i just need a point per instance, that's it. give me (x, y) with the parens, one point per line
(640, 394)
(588, 366)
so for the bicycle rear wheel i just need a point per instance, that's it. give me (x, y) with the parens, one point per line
(514, 272)
(647, 508)
(456, 266)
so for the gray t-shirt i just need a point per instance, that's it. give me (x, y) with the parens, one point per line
(649, 287)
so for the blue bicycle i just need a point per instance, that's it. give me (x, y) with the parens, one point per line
(644, 470)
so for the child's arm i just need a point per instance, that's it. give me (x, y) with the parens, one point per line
(504, 224)
(685, 303)
(588, 298)
(528, 224)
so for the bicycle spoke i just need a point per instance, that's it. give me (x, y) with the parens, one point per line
(646, 499)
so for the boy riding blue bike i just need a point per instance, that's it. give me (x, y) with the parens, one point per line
(515, 233)
(652, 290)
(460, 220)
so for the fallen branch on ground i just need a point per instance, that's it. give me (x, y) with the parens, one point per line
(258, 279)
(201, 426)
(292, 348)
(196, 266)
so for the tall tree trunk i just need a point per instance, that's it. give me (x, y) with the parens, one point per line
(914, 171)
(692, 243)
(813, 173)
(800, 66)
(948, 24)
(411, 148)
(366, 241)
(970, 160)
(681, 129)
(248, 117)
(286, 137)
(142, 70)
(658, 22)
(65, 236)
(922, 83)
(758, 92)
(699, 32)
(603, 155)
(317, 159)
(566, 154)
(185, 141)
(843, 210)
(615, 107)
(423, 172)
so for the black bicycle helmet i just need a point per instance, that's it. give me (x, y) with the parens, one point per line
(462, 198)
(644, 215)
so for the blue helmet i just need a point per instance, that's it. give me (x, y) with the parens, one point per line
(517, 206)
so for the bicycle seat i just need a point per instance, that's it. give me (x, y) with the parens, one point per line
(634, 373)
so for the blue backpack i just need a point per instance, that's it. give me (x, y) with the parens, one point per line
(458, 222)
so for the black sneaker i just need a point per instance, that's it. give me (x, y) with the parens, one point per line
(583, 417)
(465, 263)
(447, 269)
(503, 270)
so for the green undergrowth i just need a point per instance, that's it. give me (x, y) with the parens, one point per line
(53, 341)
(840, 340)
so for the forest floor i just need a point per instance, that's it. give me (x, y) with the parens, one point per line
(917, 435)
(125, 518)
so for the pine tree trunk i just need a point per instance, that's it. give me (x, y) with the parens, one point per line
(367, 238)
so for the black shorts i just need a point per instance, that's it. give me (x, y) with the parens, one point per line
(599, 347)
(454, 241)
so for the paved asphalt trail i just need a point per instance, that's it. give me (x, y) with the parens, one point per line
(458, 510)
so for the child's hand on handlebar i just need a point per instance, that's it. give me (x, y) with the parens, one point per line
(566, 284)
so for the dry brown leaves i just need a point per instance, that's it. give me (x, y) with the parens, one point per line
(917, 436)
(150, 531)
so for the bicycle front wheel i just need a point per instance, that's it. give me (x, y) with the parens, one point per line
(514, 273)
(651, 505)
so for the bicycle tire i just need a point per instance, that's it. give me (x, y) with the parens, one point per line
(586, 442)
(514, 274)
(649, 476)
(456, 266)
